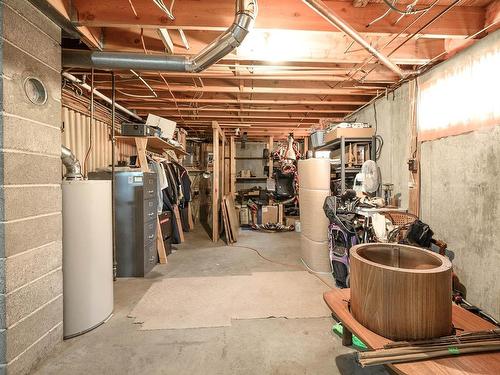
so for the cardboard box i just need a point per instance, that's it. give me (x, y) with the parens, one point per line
(167, 126)
(244, 216)
(290, 220)
(349, 133)
(268, 214)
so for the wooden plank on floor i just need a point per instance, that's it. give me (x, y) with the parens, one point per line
(160, 246)
(179, 222)
(233, 219)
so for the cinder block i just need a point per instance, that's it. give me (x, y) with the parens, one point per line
(22, 335)
(29, 359)
(22, 302)
(24, 169)
(30, 265)
(24, 135)
(22, 32)
(17, 67)
(19, 236)
(36, 17)
(26, 201)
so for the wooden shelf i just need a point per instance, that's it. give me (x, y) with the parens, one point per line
(252, 178)
(335, 144)
(250, 158)
(155, 144)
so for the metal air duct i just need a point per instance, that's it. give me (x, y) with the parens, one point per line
(319, 7)
(73, 167)
(246, 12)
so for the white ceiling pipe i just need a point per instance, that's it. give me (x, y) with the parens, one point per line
(320, 7)
(73, 79)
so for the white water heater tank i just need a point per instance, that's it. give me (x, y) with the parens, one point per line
(87, 255)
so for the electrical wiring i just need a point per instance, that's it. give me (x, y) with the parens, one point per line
(409, 9)
(294, 266)
(165, 9)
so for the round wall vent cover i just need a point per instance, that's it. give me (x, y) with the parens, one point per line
(35, 90)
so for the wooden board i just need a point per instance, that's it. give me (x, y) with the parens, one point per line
(190, 217)
(153, 144)
(179, 222)
(464, 321)
(160, 246)
(233, 219)
(227, 228)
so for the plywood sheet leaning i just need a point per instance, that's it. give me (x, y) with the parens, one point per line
(231, 214)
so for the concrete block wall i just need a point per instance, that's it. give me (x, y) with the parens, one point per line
(30, 193)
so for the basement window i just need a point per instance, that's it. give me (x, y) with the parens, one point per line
(461, 95)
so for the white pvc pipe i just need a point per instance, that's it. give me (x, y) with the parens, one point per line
(73, 79)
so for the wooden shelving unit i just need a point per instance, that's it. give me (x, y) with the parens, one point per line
(263, 178)
(341, 143)
(154, 144)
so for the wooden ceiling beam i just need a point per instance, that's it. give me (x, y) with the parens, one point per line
(217, 117)
(273, 14)
(352, 100)
(244, 90)
(264, 110)
(319, 47)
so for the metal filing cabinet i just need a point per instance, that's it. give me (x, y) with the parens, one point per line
(136, 213)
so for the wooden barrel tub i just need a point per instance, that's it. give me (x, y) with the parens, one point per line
(401, 292)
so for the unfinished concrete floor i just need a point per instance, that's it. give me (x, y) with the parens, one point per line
(255, 346)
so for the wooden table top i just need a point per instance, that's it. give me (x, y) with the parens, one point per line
(463, 321)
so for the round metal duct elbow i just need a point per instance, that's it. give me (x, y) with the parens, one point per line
(73, 167)
(245, 15)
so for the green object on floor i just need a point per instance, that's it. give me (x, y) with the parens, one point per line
(339, 329)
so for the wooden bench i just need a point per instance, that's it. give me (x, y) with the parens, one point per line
(463, 321)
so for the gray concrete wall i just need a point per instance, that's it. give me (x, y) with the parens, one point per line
(30, 193)
(459, 199)
(459, 196)
(392, 123)
(459, 189)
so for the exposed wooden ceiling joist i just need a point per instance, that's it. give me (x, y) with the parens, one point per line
(273, 14)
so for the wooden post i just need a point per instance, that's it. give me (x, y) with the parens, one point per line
(414, 153)
(141, 144)
(215, 182)
(222, 157)
(306, 145)
(270, 145)
(232, 156)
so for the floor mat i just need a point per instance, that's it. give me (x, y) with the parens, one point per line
(178, 303)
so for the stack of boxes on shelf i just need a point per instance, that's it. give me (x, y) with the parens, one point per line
(314, 181)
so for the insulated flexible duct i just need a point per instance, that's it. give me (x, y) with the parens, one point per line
(246, 12)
